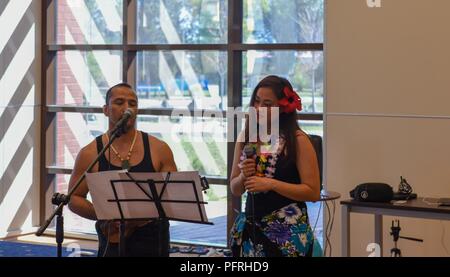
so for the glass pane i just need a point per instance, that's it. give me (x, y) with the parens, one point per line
(73, 132)
(73, 222)
(182, 21)
(304, 69)
(182, 79)
(83, 77)
(216, 210)
(312, 127)
(89, 21)
(301, 21)
(197, 144)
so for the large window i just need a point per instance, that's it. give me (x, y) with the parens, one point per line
(186, 55)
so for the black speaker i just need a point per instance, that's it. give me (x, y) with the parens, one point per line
(372, 192)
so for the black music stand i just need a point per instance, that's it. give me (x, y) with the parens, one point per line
(157, 196)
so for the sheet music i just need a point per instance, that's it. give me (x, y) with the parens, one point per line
(101, 191)
(180, 191)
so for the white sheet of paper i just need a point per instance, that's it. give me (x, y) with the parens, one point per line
(101, 191)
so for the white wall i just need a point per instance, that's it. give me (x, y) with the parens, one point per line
(387, 114)
(19, 89)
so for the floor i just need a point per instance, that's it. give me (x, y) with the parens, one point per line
(87, 245)
(181, 232)
(48, 240)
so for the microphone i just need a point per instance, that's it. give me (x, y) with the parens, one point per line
(120, 125)
(249, 152)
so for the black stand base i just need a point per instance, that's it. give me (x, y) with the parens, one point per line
(395, 252)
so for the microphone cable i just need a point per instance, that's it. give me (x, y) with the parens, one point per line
(252, 195)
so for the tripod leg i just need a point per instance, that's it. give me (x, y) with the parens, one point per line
(122, 243)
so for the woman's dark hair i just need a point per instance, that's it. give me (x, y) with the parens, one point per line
(288, 121)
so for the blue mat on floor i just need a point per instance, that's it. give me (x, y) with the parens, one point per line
(19, 249)
(201, 233)
(217, 233)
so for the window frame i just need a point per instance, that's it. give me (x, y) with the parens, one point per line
(234, 48)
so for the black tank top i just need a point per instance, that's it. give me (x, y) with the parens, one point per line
(146, 165)
(265, 203)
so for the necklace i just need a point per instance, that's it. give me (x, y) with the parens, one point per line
(125, 162)
(267, 157)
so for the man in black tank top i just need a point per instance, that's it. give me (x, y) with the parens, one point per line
(138, 152)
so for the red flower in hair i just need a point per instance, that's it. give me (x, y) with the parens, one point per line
(290, 102)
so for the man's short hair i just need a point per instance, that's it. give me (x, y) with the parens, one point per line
(120, 85)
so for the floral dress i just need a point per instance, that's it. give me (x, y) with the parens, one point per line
(284, 231)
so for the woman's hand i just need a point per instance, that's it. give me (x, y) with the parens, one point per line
(248, 167)
(258, 184)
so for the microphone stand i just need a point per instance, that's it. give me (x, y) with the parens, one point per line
(60, 200)
(395, 232)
